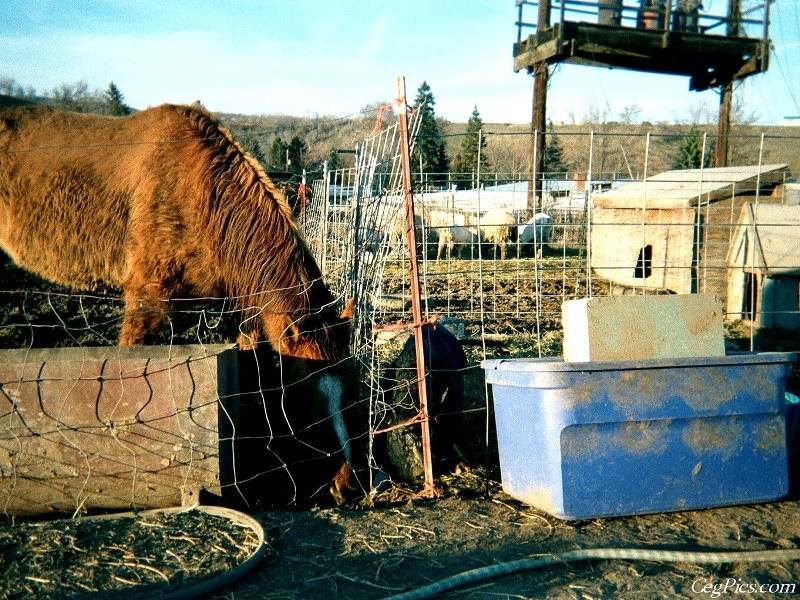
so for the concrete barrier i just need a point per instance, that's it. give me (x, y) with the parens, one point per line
(643, 327)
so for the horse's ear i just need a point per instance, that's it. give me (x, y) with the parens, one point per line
(347, 313)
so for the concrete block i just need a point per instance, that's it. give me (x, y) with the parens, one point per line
(114, 427)
(643, 327)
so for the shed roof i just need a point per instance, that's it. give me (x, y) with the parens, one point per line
(689, 187)
(775, 233)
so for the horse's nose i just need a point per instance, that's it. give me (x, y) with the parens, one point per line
(345, 485)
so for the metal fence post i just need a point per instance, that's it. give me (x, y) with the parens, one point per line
(416, 308)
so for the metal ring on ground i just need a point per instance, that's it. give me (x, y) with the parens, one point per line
(208, 585)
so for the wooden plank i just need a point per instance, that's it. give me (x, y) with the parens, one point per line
(113, 427)
(533, 55)
(677, 53)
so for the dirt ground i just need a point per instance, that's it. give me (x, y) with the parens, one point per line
(398, 541)
(389, 546)
(376, 553)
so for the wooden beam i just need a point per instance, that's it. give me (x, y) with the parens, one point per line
(721, 149)
(538, 128)
(674, 53)
(541, 72)
(550, 51)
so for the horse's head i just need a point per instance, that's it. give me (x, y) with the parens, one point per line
(320, 397)
(316, 336)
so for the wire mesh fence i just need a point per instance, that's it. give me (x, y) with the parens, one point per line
(650, 232)
(614, 229)
(647, 232)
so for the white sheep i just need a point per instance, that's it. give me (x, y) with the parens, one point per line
(536, 230)
(496, 227)
(455, 237)
(426, 235)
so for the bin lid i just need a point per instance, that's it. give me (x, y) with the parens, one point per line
(557, 364)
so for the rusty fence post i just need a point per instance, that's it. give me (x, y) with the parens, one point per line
(416, 309)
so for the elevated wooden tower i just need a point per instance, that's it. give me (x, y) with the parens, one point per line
(674, 37)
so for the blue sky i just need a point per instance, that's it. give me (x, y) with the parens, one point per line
(333, 57)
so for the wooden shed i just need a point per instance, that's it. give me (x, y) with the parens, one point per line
(671, 231)
(764, 267)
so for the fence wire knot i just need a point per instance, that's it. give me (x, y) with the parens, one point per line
(420, 417)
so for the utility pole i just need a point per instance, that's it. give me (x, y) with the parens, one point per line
(722, 147)
(541, 73)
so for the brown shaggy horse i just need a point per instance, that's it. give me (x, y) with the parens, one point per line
(164, 204)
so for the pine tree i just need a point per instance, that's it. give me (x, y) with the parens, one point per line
(255, 151)
(690, 154)
(554, 162)
(465, 164)
(277, 155)
(433, 163)
(115, 102)
(333, 160)
(297, 155)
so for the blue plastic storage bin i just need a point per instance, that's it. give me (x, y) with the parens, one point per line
(601, 439)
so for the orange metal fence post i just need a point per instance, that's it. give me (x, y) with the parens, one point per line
(416, 309)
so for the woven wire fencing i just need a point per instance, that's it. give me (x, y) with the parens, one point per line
(629, 229)
(734, 235)
(623, 222)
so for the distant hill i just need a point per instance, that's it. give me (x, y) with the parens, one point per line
(619, 148)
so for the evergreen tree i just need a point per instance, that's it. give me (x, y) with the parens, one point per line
(297, 155)
(254, 149)
(277, 155)
(429, 154)
(554, 162)
(690, 153)
(115, 105)
(333, 160)
(465, 164)
(444, 165)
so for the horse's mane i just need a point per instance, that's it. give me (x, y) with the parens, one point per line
(252, 232)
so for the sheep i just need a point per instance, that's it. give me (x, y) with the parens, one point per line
(455, 237)
(496, 229)
(426, 235)
(536, 230)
